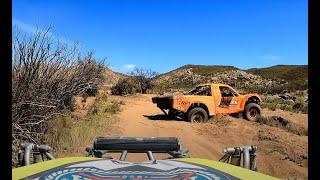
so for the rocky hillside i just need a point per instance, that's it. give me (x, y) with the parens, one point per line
(111, 78)
(203, 69)
(295, 75)
(270, 80)
(188, 75)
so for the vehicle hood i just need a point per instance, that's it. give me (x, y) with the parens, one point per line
(96, 168)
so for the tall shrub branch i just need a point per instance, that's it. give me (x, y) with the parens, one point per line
(46, 74)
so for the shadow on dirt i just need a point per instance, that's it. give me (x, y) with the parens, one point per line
(162, 117)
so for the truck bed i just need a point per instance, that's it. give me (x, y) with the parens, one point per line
(163, 102)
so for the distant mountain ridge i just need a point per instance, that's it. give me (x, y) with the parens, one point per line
(293, 77)
(275, 78)
(292, 73)
(203, 69)
(112, 77)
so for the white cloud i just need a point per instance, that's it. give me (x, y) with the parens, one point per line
(113, 68)
(33, 29)
(128, 67)
(270, 57)
(25, 27)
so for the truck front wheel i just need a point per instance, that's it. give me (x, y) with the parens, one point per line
(197, 115)
(251, 111)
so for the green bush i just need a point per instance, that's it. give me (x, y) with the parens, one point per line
(124, 87)
(293, 106)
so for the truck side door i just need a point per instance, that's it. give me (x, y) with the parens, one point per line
(227, 100)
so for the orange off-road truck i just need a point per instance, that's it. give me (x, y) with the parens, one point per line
(208, 100)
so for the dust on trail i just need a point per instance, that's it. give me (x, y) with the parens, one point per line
(280, 153)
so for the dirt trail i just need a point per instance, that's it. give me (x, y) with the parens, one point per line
(280, 153)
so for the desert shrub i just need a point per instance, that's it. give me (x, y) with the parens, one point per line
(46, 74)
(300, 106)
(124, 87)
(270, 103)
(296, 106)
(92, 91)
(286, 107)
(68, 134)
(271, 106)
(140, 80)
(103, 105)
(271, 90)
(299, 93)
(143, 79)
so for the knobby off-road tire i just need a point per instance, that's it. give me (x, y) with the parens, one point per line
(251, 111)
(197, 115)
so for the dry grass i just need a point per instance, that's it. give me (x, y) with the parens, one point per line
(275, 103)
(46, 75)
(68, 134)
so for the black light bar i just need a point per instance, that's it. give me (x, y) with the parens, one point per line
(137, 144)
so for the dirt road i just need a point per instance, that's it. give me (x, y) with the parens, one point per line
(280, 153)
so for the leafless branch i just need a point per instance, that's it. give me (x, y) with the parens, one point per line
(46, 74)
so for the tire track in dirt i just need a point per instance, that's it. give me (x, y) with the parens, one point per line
(133, 122)
(140, 117)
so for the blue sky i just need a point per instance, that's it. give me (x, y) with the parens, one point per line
(163, 35)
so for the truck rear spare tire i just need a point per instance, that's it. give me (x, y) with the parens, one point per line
(197, 115)
(251, 111)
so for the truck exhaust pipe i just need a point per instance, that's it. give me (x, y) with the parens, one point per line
(233, 156)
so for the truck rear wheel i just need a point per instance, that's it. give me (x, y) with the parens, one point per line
(197, 115)
(251, 111)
